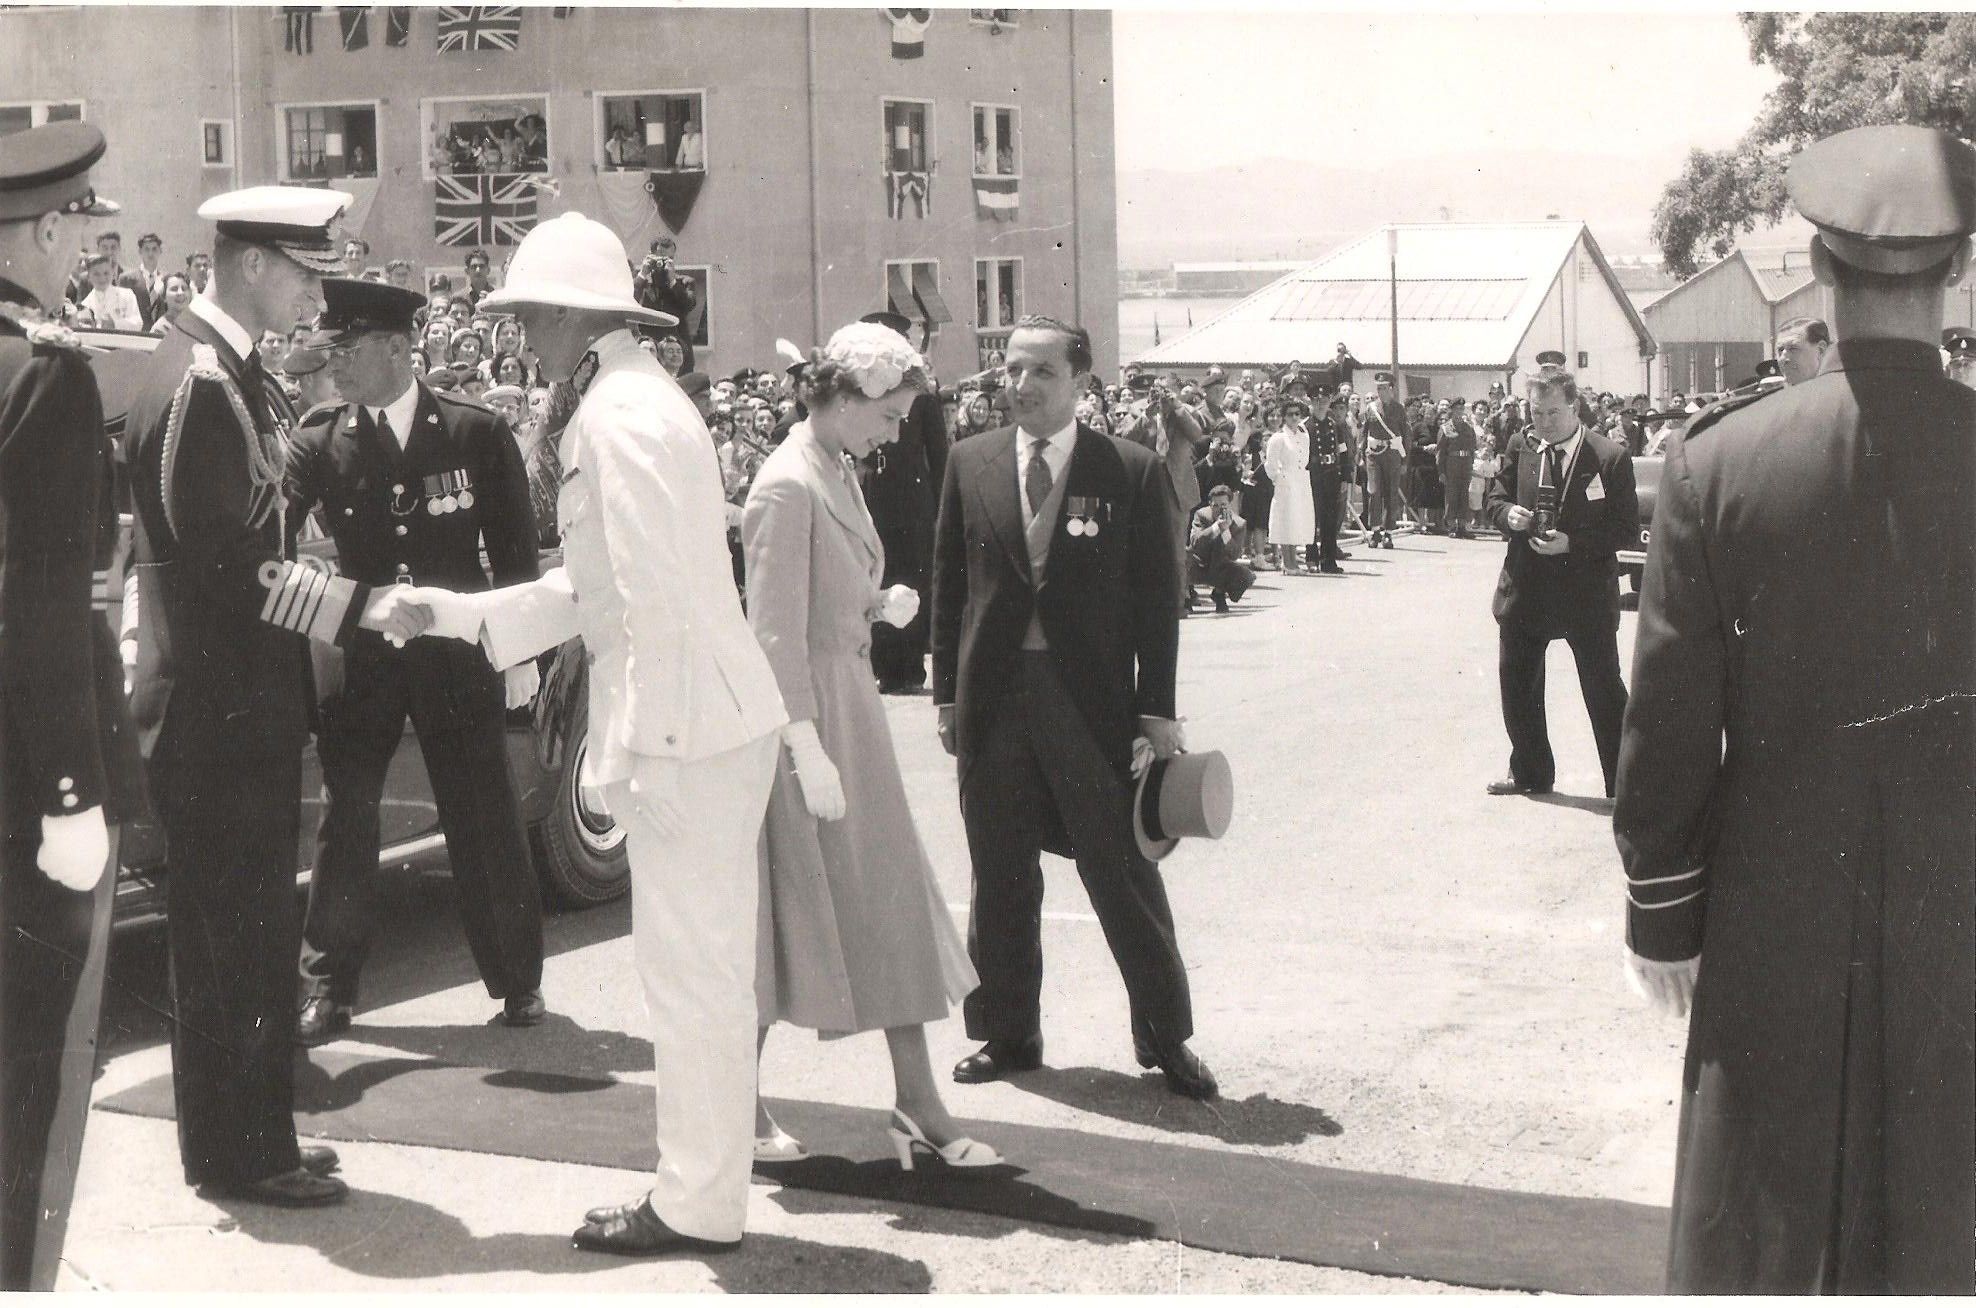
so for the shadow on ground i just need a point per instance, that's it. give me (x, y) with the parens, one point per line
(1259, 1120)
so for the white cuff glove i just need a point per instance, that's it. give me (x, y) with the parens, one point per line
(454, 615)
(1668, 988)
(75, 849)
(522, 681)
(898, 606)
(823, 788)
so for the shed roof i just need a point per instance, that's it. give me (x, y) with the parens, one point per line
(1468, 293)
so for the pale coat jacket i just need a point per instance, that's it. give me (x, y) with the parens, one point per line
(646, 580)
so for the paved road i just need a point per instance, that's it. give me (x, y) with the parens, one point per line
(1394, 973)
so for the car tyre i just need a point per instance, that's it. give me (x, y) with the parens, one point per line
(579, 849)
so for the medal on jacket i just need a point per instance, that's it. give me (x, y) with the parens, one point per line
(1084, 514)
(448, 492)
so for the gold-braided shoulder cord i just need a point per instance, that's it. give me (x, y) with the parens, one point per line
(267, 454)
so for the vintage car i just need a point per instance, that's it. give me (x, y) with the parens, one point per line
(579, 851)
(1633, 562)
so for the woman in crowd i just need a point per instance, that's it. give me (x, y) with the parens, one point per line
(763, 422)
(1292, 515)
(855, 935)
(672, 355)
(507, 370)
(436, 338)
(1478, 481)
(978, 414)
(178, 294)
(466, 349)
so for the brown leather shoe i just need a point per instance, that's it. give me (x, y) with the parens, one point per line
(300, 1188)
(998, 1058)
(635, 1231)
(322, 1020)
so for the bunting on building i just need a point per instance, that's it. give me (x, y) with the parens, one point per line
(363, 195)
(997, 196)
(629, 204)
(397, 24)
(905, 187)
(299, 28)
(484, 208)
(479, 27)
(355, 22)
(674, 193)
(908, 31)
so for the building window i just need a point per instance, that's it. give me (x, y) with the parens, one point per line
(20, 116)
(997, 293)
(997, 143)
(487, 134)
(328, 141)
(663, 130)
(908, 135)
(912, 289)
(993, 19)
(215, 143)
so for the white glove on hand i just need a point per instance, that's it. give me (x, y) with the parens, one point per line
(823, 788)
(898, 606)
(75, 849)
(1668, 988)
(655, 790)
(454, 615)
(522, 681)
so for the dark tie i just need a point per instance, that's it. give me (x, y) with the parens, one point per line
(1553, 473)
(384, 432)
(1040, 480)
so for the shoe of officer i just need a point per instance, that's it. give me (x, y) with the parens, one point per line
(525, 1009)
(322, 1019)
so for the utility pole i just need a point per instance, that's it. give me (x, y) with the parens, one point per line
(1393, 288)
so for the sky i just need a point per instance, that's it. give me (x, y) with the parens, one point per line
(1361, 90)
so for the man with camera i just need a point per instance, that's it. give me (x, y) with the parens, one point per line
(1213, 543)
(659, 288)
(1565, 508)
(1166, 428)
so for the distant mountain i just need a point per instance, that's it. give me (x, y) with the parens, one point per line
(1285, 209)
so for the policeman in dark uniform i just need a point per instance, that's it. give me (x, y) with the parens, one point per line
(68, 762)
(1960, 342)
(221, 689)
(1797, 781)
(1330, 446)
(901, 486)
(411, 484)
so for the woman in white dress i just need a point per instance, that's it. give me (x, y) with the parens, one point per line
(1292, 515)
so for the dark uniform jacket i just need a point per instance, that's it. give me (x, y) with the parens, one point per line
(422, 511)
(221, 666)
(1599, 510)
(67, 737)
(901, 483)
(1797, 805)
(1105, 603)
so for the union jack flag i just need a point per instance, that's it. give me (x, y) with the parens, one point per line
(483, 209)
(479, 27)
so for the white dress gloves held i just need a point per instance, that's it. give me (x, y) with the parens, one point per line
(898, 606)
(75, 849)
(823, 788)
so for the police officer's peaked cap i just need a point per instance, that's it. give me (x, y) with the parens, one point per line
(46, 170)
(1890, 199)
(1142, 382)
(352, 307)
(1550, 358)
(1768, 368)
(1383, 378)
(299, 221)
(1959, 340)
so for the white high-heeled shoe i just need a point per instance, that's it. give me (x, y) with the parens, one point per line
(778, 1146)
(962, 1153)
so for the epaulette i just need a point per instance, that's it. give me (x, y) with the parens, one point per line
(1726, 405)
(264, 464)
(319, 413)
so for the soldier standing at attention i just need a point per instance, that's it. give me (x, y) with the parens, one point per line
(410, 484)
(68, 765)
(221, 692)
(1797, 783)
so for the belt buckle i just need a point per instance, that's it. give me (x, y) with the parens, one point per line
(402, 579)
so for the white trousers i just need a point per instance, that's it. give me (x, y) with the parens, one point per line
(693, 940)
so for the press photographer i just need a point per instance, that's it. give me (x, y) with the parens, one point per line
(656, 286)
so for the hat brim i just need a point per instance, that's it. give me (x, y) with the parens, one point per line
(518, 293)
(1217, 798)
(1884, 257)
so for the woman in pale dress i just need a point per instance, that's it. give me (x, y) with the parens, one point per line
(854, 933)
(1292, 514)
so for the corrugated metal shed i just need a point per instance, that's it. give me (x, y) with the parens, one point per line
(1468, 293)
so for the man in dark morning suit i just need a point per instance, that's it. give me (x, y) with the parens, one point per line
(901, 487)
(1562, 584)
(147, 280)
(221, 691)
(1797, 780)
(1055, 642)
(409, 484)
(68, 762)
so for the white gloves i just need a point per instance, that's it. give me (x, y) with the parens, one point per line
(1667, 987)
(454, 615)
(522, 681)
(75, 849)
(898, 606)
(823, 788)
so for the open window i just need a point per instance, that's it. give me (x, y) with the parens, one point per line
(653, 131)
(993, 19)
(912, 290)
(997, 141)
(215, 143)
(23, 114)
(322, 142)
(908, 135)
(486, 134)
(997, 304)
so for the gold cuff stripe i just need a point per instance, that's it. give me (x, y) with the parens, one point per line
(1634, 900)
(306, 600)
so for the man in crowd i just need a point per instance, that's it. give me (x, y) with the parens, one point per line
(1960, 342)
(399, 273)
(108, 305)
(1801, 345)
(1330, 449)
(1214, 542)
(660, 287)
(220, 693)
(1042, 689)
(199, 267)
(1385, 459)
(1455, 459)
(1797, 786)
(1565, 509)
(147, 280)
(413, 485)
(110, 246)
(67, 769)
(1176, 438)
(356, 253)
(479, 280)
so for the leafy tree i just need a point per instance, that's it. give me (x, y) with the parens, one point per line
(1837, 71)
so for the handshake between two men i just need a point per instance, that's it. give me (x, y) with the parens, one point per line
(401, 614)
